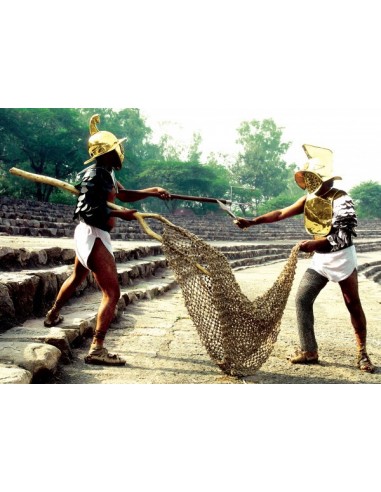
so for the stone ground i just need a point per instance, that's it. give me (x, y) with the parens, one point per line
(161, 345)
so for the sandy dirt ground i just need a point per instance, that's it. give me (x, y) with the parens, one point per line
(162, 346)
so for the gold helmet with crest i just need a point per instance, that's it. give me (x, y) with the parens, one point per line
(317, 170)
(102, 142)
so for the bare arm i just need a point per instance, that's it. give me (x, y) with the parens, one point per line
(320, 245)
(296, 208)
(132, 196)
(126, 214)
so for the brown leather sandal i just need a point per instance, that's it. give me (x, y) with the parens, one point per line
(101, 357)
(49, 322)
(364, 363)
(302, 357)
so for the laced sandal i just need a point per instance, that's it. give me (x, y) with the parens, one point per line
(303, 357)
(49, 322)
(102, 357)
(364, 363)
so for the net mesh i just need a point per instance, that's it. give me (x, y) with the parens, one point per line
(238, 334)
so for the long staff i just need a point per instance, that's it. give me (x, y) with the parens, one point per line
(174, 196)
(40, 178)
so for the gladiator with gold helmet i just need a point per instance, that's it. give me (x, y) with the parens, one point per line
(93, 247)
(330, 219)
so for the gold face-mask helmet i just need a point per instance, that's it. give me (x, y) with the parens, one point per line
(102, 142)
(317, 170)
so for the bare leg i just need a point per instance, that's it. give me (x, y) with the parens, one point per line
(349, 289)
(102, 264)
(66, 291)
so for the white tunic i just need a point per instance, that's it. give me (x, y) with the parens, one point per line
(85, 236)
(336, 266)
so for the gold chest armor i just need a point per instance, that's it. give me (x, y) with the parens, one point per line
(318, 212)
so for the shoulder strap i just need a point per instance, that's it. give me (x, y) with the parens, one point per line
(334, 194)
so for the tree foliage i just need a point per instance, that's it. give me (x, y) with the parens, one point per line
(260, 166)
(185, 178)
(54, 142)
(367, 198)
(42, 141)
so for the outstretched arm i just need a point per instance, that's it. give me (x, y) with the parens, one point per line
(274, 216)
(134, 196)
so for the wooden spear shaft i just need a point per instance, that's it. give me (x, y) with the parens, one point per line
(40, 178)
(65, 186)
(174, 196)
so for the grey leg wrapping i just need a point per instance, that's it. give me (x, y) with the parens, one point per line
(309, 288)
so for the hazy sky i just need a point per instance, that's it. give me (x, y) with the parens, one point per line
(353, 134)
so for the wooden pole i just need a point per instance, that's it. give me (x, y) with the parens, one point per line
(40, 178)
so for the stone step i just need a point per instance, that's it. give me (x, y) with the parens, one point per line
(368, 265)
(37, 232)
(37, 222)
(12, 258)
(22, 362)
(371, 270)
(253, 252)
(31, 353)
(30, 293)
(202, 230)
(259, 260)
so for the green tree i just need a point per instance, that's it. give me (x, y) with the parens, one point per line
(170, 150)
(54, 142)
(128, 123)
(184, 178)
(43, 141)
(367, 198)
(194, 153)
(260, 166)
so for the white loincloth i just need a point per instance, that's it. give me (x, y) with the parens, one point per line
(335, 266)
(85, 236)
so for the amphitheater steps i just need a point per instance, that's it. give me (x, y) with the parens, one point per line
(371, 270)
(31, 353)
(29, 293)
(30, 279)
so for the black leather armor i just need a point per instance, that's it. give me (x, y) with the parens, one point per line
(94, 189)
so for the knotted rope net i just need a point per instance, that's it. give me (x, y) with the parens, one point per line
(238, 334)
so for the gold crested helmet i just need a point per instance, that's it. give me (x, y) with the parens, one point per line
(317, 170)
(102, 142)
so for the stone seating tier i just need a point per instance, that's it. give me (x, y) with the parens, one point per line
(31, 353)
(30, 280)
(31, 218)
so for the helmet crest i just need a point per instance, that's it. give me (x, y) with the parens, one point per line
(102, 142)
